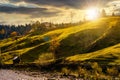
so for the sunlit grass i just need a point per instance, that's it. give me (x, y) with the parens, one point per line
(8, 56)
(33, 46)
(103, 54)
(45, 58)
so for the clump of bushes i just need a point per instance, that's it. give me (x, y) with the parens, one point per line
(66, 71)
(96, 72)
(54, 44)
(113, 71)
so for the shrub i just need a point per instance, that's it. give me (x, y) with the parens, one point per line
(112, 71)
(54, 44)
(45, 57)
(82, 72)
(66, 71)
(97, 70)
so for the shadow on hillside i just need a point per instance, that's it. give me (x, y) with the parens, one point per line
(34, 53)
(73, 44)
(27, 43)
(78, 42)
(111, 38)
(105, 59)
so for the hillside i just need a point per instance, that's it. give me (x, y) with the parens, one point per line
(96, 40)
(106, 56)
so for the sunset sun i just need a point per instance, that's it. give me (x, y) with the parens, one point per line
(92, 14)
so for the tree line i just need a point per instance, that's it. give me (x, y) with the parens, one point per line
(7, 31)
(34, 28)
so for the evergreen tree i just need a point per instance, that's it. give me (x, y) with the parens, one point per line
(113, 14)
(103, 13)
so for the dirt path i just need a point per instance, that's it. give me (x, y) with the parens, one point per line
(6, 74)
(15, 75)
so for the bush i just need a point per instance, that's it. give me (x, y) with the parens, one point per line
(82, 72)
(96, 67)
(45, 57)
(112, 71)
(66, 71)
(54, 44)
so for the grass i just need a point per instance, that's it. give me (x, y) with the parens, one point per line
(110, 55)
(82, 51)
(74, 42)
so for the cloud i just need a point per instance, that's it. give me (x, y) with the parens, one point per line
(76, 4)
(37, 8)
(18, 4)
(14, 18)
(2, 22)
(55, 10)
(115, 2)
(114, 6)
(33, 12)
(4, 1)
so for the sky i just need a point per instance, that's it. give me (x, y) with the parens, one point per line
(57, 11)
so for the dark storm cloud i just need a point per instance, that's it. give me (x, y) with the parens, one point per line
(67, 3)
(33, 12)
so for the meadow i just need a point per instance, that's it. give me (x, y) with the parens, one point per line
(88, 50)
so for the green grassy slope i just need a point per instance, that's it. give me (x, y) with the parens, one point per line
(88, 37)
(110, 38)
(107, 56)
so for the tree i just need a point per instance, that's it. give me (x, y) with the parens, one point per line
(54, 44)
(2, 31)
(6, 30)
(113, 14)
(103, 13)
(114, 7)
(36, 25)
(13, 34)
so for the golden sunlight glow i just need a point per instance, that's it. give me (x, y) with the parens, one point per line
(92, 14)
